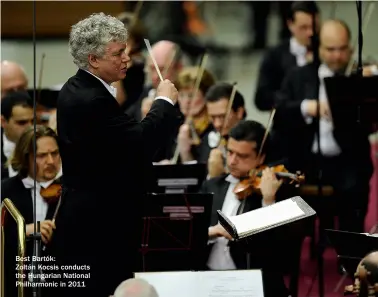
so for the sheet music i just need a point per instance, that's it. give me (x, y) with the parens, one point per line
(233, 283)
(173, 284)
(266, 216)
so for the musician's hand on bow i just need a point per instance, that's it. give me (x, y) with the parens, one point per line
(167, 89)
(215, 163)
(184, 140)
(46, 226)
(312, 109)
(269, 185)
(219, 231)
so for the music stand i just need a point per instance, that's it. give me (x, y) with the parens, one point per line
(351, 248)
(179, 178)
(353, 99)
(175, 232)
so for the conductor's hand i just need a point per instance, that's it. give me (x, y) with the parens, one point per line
(46, 230)
(219, 231)
(167, 89)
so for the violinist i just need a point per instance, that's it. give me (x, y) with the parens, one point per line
(162, 51)
(20, 190)
(279, 60)
(346, 161)
(16, 117)
(13, 77)
(243, 146)
(193, 134)
(217, 103)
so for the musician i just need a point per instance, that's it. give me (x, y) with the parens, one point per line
(279, 60)
(106, 158)
(16, 116)
(197, 110)
(217, 101)
(245, 140)
(346, 162)
(162, 51)
(20, 190)
(13, 77)
(130, 89)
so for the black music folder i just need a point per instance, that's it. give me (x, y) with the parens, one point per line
(266, 218)
(179, 178)
(351, 247)
(353, 99)
(175, 231)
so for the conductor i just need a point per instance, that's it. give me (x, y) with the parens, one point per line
(106, 160)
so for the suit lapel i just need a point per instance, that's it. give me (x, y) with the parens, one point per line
(219, 196)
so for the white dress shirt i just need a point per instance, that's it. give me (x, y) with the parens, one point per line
(42, 205)
(8, 149)
(112, 90)
(328, 144)
(220, 257)
(299, 51)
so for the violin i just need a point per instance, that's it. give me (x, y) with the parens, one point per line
(53, 192)
(251, 184)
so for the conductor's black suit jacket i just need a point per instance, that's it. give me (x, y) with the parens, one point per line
(106, 158)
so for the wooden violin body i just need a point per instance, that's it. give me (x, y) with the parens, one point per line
(52, 193)
(251, 184)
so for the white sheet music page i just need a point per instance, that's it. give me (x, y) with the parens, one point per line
(173, 284)
(233, 283)
(266, 216)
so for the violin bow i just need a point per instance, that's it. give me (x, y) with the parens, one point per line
(267, 131)
(367, 15)
(136, 13)
(40, 77)
(228, 112)
(195, 88)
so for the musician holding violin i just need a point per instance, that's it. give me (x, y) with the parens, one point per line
(193, 134)
(19, 189)
(246, 151)
(225, 106)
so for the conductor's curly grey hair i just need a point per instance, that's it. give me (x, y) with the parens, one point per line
(91, 35)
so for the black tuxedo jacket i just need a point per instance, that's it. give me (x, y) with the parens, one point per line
(276, 63)
(107, 164)
(301, 84)
(21, 197)
(263, 256)
(4, 168)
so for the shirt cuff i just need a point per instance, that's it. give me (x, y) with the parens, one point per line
(165, 98)
(307, 118)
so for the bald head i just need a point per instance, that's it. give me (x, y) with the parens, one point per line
(334, 48)
(135, 287)
(163, 52)
(13, 77)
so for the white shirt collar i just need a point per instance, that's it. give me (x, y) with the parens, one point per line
(296, 48)
(324, 72)
(232, 180)
(8, 146)
(29, 182)
(112, 90)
